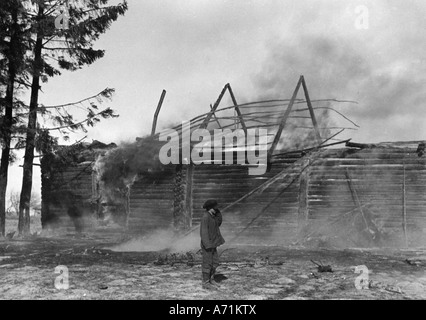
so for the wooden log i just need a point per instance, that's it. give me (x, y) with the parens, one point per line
(237, 109)
(303, 211)
(157, 111)
(325, 164)
(325, 190)
(359, 145)
(284, 119)
(213, 110)
(311, 111)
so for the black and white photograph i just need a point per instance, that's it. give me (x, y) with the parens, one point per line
(214, 154)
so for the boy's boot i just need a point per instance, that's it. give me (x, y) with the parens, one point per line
(212, 280)
(206, 281)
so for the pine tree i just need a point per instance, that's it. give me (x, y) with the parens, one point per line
(13, 75)
(57, 47)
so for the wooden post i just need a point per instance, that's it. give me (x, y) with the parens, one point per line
(160, 103)
(404, 207)
(240, 115)
(96, 196)
(213, 110)
(284, 119)
(303, 213)
(214, 115)
(188, 201)
(355, 197)
(182, 210)
(311, 110)
(127, 204)
(179, 199)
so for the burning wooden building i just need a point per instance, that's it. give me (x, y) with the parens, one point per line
(70, 188)
(312, 188)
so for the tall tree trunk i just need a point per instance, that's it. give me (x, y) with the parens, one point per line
(5, 154)
(8, 123)
(27, 178)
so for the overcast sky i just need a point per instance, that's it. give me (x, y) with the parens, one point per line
(368, 51)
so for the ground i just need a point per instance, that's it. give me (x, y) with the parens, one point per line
(27, 271)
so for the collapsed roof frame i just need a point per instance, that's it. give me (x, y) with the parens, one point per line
(287, 113)
(260, 114)
(214, 108)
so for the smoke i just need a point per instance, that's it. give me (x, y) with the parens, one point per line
(118, 168)
(165, 239)
(386, 82)
(117, 171)
(330, 66)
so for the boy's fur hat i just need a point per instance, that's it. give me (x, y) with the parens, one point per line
(209, 204)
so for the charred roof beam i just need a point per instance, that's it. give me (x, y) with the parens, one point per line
(287, 113)
(215, 106)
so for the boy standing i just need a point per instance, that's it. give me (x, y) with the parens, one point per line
(211, 238)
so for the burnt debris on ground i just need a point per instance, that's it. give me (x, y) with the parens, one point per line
(246, 272)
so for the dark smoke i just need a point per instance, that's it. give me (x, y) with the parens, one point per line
(330, 66)
(120, 166)
(335, 67)
(118, 169)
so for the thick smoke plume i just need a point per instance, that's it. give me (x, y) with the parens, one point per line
(334, 67)
(119, 167)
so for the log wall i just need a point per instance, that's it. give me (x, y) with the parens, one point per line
(158, 203)
(384, 184)
(373, 196)
(151, 202)
(271, 215)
